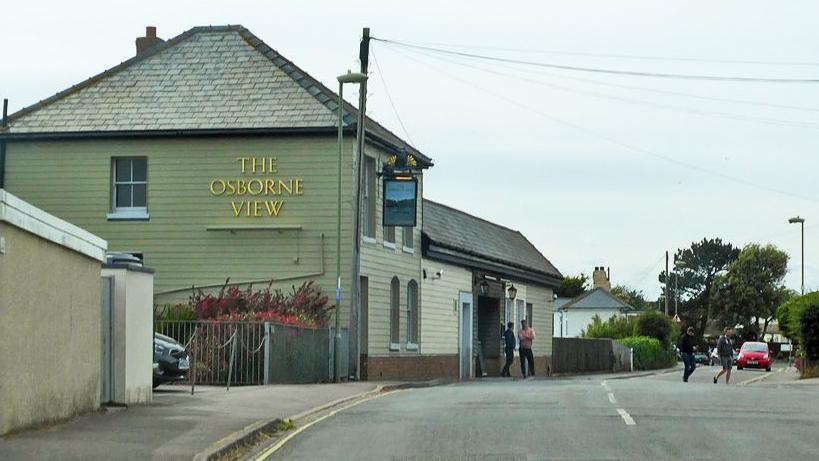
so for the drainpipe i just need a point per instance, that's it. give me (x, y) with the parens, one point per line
(4, 124)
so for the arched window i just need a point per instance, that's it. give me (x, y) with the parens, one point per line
(412, 312)
(395, 312)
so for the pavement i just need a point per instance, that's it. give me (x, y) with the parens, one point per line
(654, 417)
(176, 425)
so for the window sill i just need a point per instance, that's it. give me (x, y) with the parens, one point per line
(395, 347)
(412, 347)
(389, 245)
(368, 240)
(128, 216)
(409, 250)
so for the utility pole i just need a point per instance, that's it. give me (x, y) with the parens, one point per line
(354, 337)
(666, 282)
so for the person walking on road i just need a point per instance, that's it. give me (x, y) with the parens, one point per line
(509, 347)
(526, 336)
(686, 345)
(726, 355)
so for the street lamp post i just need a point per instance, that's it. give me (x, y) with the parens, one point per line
(349, 77)
(801, 221)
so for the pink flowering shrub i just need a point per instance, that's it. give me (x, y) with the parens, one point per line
(306, 306)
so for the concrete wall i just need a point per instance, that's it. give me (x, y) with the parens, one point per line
(50, 328)
(132, 318)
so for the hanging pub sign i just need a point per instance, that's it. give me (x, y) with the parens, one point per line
(400, 200)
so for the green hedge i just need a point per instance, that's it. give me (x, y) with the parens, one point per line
(649, 353)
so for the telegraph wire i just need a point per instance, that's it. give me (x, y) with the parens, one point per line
(609, 56)
(615, 141)
(668, 92)
(746, 118)
(602, 70)
(389, 97)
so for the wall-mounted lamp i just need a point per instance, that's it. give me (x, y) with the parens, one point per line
(438, 274)
(483, 286)
(512, 291)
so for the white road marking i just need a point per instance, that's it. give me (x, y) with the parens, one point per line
(612, 399)
(626, 417)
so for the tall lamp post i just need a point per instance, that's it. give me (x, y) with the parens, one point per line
(349, 77)
(801, 221)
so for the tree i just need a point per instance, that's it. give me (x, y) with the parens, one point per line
(696, 269)
(633, 297)
(572, 286)
(751, 290)
(655, 325)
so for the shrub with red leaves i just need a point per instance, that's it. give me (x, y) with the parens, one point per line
(305, 306)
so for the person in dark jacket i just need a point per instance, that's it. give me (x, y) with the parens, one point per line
(686, 346)
(726, 355)
(509, 347)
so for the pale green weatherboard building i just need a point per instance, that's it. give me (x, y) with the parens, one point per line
(210, 156)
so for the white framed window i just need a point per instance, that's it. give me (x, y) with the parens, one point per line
(408, 239)
(389, 236)
(129, 188)
(412, 315)
(368, 213)
(395, 314)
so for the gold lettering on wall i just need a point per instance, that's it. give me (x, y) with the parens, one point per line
(243, 188)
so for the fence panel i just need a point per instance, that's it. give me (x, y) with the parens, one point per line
(299, 355)
(209, 344)
(583, 355)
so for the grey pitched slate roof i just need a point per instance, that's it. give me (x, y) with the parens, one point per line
(597, 299)
(454, 233)
(218, 77)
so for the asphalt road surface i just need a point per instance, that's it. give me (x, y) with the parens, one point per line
(652, 418)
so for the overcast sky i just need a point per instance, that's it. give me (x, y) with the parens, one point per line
(592, 172)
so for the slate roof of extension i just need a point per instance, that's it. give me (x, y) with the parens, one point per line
(455, 232)
(208, 78)
(597, 299)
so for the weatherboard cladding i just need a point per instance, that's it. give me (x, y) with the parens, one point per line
(459, 232)
(208, 78)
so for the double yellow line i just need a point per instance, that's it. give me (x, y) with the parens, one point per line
(275, 447)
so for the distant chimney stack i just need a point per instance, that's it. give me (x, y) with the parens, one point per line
(600, 278)
(150, 39)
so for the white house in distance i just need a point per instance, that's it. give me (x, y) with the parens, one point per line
(573, 315)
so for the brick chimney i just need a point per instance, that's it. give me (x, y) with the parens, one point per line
(601, 278)
(150, 39)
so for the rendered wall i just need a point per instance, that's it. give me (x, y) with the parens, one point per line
(132, 340)
(49, 333)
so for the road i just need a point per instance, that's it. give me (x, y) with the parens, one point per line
(652, 418)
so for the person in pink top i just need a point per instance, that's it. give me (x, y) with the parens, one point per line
(525, 338)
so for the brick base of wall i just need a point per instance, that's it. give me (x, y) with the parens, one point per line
(416, 368)
(494, 366)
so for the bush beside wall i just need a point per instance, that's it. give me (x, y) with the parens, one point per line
(649, 353)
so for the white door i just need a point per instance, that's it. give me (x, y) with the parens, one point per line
(465, 334)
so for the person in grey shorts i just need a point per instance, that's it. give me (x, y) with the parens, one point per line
(726, 355)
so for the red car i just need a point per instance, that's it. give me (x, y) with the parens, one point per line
(754, 355)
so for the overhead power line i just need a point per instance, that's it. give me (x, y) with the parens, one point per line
(602, 70)
(389, 97)
(740, 117)
(613, 56)
(616, 141)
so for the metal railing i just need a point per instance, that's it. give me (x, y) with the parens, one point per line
(252, 353)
